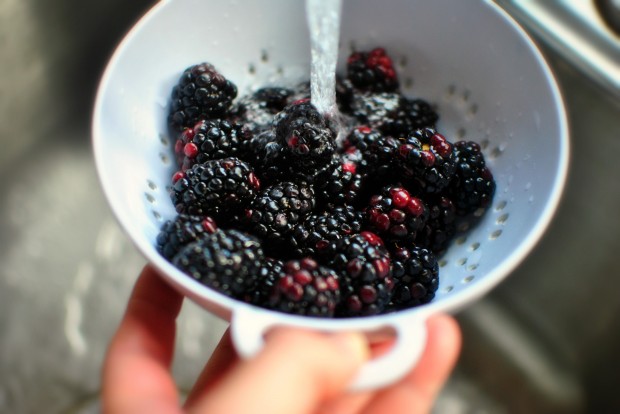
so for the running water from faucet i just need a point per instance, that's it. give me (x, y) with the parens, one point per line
(324, 24)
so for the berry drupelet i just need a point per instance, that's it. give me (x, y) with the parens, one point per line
(201, 93)
(217, 188)
(226, 260)
(305, 288)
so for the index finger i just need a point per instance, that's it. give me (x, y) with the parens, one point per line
(136, 375)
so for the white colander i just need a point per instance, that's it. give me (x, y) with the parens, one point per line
(490, 84)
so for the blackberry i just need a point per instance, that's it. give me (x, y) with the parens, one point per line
(277, 209)
(226, 260)
(305, 136)
(217, 188)
(473, 186)
(427, 159)
(395, 215)
(376, 151)
(440, 227)
(201, 93)
(416, 277)
(344, 94)
(338, 184)
(319, 231)
(181, 231)
(257, 110)
(393, 114)
(266, 279)
(305, 288)
(372, 71)
(365, 273)
(210, 140)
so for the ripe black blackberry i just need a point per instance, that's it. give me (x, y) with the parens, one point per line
(392, 113)
(226, 260)
(338, 184)
(395, 215)
(210, 140)
(181, 231)
(217, 188)
(427, 159)
(319, 231)
(257, 110)
(416, 277)
(201, 93)
(473, 186)
(274, 213)
(372, 71)
(363, 264)
(305, 136)
(376, 155)
(266, 278)
(305, 288)
(440, 227)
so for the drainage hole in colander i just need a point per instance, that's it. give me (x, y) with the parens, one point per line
(164, 140)
(461, 261)
(473, 110)
(150, 198)
(501, 205)
(502, 219)
(251, 69)
(472, 267)
(484, 144)
(461, 240)
(151, 185)
(447, 289)
(408, 82)
(157, 215)
(264, 56)
(496, 152)
(450, 91)
(466, 95)
(469, 279)
(474, 246)
(495, 234)
(164, 158)
(402, 62)
(280, 70)
(443, 263)
(460, 133)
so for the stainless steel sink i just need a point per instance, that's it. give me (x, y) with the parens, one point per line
(545, 341)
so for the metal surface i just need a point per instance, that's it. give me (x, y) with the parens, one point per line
(545, 341)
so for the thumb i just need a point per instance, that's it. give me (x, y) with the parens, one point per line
(295, 372)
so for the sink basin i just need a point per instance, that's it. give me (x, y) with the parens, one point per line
(544, 341)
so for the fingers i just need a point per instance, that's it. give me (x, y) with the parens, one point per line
(294, 373)
(136, 375)
(223, 358)
(417, 392)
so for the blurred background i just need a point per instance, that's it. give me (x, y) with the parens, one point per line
(545, 341)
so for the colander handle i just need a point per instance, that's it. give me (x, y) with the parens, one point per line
(248, 328)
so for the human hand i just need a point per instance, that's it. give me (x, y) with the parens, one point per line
(297, 372)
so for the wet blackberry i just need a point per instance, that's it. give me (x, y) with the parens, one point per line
(427, 159)
(257, 110)
(440, 227)
(201, 93)
(416, 277)
(393, 114)
(181, 231)
(318, 231)
(276, 210)
(217, 188)
(364, 267)
(305, 288)
(372, 71)
(339, 184)
(395, 215)
(305, 136)
(376, 151)
(473, 185)
(226, 260)
(210, 140)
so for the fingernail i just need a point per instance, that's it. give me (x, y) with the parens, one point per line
(352, 343)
